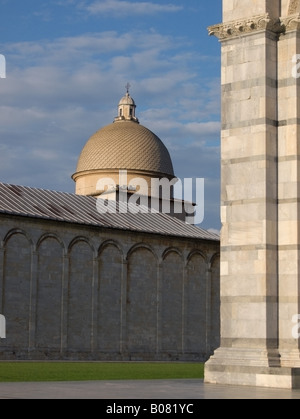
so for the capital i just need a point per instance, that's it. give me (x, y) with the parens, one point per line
(238, 28)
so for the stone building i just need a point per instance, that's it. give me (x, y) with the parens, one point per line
(79, 284)
(260, 195)
(128, 162)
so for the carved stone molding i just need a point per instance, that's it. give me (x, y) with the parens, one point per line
(240, 27)
(293, 7)
(291, 23)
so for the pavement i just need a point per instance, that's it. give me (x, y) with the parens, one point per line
(135, 390)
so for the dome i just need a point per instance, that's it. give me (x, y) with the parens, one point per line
(127, 100)
(125, 145)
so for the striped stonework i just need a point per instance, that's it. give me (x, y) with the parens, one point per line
(260, 239)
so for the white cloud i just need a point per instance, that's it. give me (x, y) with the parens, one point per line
(128, 8)
(205, 128)
(214, 231)
(58, 93)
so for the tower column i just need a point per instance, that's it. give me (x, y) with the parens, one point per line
(289, 190)
(252, 285)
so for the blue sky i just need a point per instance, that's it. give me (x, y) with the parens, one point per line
(67, 64)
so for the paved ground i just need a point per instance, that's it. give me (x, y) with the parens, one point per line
(157, 390)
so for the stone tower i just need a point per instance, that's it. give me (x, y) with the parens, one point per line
(260, 256)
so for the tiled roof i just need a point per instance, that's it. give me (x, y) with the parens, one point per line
(126, 145)
(71, 208)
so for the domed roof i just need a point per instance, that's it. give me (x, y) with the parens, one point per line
(127, 100)
(125, 145)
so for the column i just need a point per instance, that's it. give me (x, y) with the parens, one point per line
(289, 190)
(249, 353)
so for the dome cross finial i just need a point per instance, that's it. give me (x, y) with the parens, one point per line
(127, 87)
(126, 108)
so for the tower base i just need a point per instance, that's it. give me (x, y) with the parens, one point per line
(250, 368)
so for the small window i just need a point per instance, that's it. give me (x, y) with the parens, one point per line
(121, 112)
(131, 113)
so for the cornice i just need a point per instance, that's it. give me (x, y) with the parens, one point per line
(239, 28)
(293, 7)
(291, 23)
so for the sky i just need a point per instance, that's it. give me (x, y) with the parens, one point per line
(67, 65)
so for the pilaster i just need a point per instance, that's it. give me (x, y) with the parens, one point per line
(249, 188)
(289, 189)
(260, 197)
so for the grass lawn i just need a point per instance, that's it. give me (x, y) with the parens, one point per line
(91, 371)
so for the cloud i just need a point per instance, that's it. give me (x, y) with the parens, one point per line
(58, 93)
(122, 8)
(214, 231)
